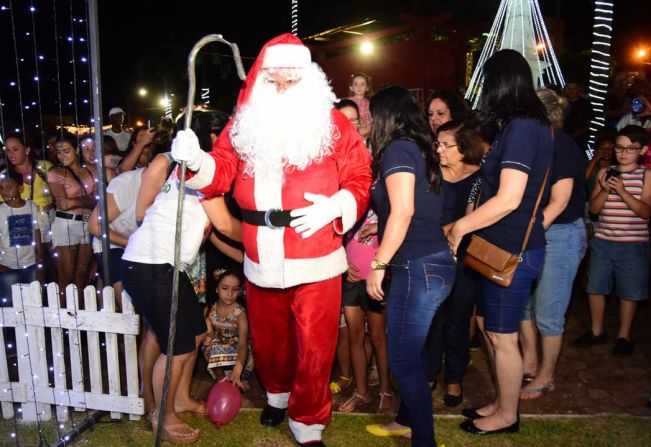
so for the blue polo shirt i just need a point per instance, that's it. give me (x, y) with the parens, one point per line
(425, 233)
(527, 146)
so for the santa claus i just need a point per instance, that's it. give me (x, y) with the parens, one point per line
(302, 176)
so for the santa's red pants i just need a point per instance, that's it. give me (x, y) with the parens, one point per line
(294, 337)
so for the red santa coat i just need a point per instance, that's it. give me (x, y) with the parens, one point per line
(281, 258)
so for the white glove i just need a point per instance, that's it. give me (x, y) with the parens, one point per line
(311, 219)
(185, 147)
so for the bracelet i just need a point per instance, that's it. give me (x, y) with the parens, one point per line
(378, 265)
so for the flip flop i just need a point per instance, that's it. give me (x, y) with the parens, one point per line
(536, 393)
(174, 436)
(354, 401)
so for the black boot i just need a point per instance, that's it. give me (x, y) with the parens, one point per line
(312, 444)
(272, 416)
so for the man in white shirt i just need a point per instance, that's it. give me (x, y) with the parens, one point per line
(117, 131)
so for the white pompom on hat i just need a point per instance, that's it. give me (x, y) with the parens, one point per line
(286, 56)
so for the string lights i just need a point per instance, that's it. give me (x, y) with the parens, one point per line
(31, 96)
(599, 68)
(32, 93)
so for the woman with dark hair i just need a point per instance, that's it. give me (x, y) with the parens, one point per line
(459, 149)
(409, 202)
(146, 272)
(21, 160)
(73, 187)
(513, 173)
(137, 135)
(444, 106)
(87, 150)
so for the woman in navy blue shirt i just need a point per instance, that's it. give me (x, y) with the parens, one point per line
(459, 149)
(512, 175)
(409, 202)
(567, 239)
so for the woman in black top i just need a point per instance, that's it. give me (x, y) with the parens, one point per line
(512, 176)
(459, 149)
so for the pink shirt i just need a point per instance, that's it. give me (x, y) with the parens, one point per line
(360, 254)
(364, 111)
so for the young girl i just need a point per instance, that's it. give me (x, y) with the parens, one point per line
(360, 88)
(227, 342)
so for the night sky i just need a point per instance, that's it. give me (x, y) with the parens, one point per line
(144, 44)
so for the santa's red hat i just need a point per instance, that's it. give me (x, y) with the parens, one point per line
(282, 52)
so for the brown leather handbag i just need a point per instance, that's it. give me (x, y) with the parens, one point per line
(493, 262)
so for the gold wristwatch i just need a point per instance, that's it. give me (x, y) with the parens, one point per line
(378, 265)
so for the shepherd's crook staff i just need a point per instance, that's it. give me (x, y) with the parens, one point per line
(179, 214)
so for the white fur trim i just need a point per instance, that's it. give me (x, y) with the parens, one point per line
(278, 400)
(286, 56)
(306, 433)
(203, 177)
(271, 249)
(348, 206)
(294, 271)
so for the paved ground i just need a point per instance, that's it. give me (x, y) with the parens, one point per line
(589, 381)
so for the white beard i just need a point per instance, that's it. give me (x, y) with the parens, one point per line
(287, 130)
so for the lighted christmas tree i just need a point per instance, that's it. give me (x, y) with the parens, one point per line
(519, 25)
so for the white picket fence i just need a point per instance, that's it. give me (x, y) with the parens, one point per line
(41, 386)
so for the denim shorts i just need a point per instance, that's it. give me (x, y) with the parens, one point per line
(503, 307)
(566, 246)
(627, 263)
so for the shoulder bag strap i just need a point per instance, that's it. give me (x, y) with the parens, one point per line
(535, 209)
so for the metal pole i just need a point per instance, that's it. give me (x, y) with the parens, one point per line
(96, 90)
(179, 216)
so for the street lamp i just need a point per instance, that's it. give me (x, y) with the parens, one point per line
(142, 92)
(366, 47)
(164, 101)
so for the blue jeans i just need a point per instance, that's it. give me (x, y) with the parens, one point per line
(503, 307)
(14, 276)
(566, 246)
(450, 331)
(417, 290)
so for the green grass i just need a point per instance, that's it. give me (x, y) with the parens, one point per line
(348, 430)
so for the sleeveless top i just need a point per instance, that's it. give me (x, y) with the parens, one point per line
(617, 222)
(153, 241)
(73, 186)
(225, 341)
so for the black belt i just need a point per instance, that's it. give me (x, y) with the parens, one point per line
(271, 218)
(80, 217)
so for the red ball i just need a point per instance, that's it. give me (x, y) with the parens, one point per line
(223, 404)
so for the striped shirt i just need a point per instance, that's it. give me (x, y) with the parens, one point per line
(617, 222)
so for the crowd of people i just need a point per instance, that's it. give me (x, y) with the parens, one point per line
(317, 228)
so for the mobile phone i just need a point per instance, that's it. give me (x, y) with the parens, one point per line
(612, 172)
(637, 105)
